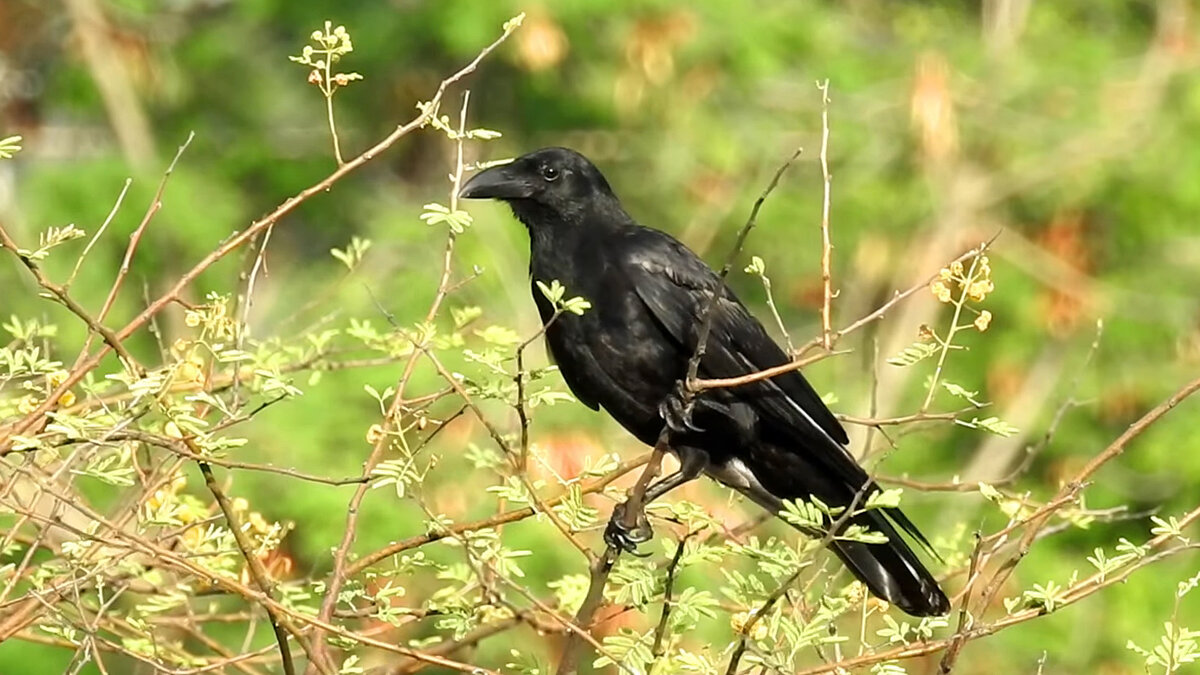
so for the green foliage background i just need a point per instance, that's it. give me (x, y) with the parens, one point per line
(1075, 131)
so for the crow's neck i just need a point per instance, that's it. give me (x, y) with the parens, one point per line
(561, 228)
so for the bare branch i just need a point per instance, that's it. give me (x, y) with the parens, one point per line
(99, 231)
(826, 246)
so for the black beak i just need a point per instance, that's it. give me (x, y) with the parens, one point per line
(498, 182)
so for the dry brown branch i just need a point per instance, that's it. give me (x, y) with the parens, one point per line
(136, 237)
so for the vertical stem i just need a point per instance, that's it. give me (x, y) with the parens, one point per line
(958, 306)
(787, 338)
(672, 570)
(328, 90)
(337, 149)
(253, 565)
(826, 245)
(599, 571)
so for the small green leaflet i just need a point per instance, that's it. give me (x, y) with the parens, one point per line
(917, 352)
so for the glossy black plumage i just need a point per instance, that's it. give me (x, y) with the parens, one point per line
(771, 440)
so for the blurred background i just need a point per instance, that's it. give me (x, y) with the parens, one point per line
(1071, 128)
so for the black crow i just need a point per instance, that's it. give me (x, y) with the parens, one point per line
(771, 440)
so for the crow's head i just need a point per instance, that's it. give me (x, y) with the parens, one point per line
(548, 182)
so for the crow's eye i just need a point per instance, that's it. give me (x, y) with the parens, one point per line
(549, 173)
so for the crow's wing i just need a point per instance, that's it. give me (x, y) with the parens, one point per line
(676, 286)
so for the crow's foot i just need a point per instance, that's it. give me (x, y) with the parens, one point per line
(626, 539)
(675, 413)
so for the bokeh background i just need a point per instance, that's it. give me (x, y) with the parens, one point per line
(1071, 128)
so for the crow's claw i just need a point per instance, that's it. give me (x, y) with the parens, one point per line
(675, 413)
(627, 539)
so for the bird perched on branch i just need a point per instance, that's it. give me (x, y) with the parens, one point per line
(772, 439)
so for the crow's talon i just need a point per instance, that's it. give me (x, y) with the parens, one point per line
(675, 413)
(627, 539)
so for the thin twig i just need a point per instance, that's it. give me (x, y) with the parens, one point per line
(773, 598)
(519, 404)
(787, 337)
(104, 226)
(707, 317)
(965, 619)
(136, 237)
(826, 245)
(243, 328)
(903, 419)
(672, 569)
(183, 450)
(327, 82)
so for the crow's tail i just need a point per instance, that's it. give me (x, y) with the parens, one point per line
(891, 570)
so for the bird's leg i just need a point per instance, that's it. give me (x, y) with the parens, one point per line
(677, 414)
(692, 463)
